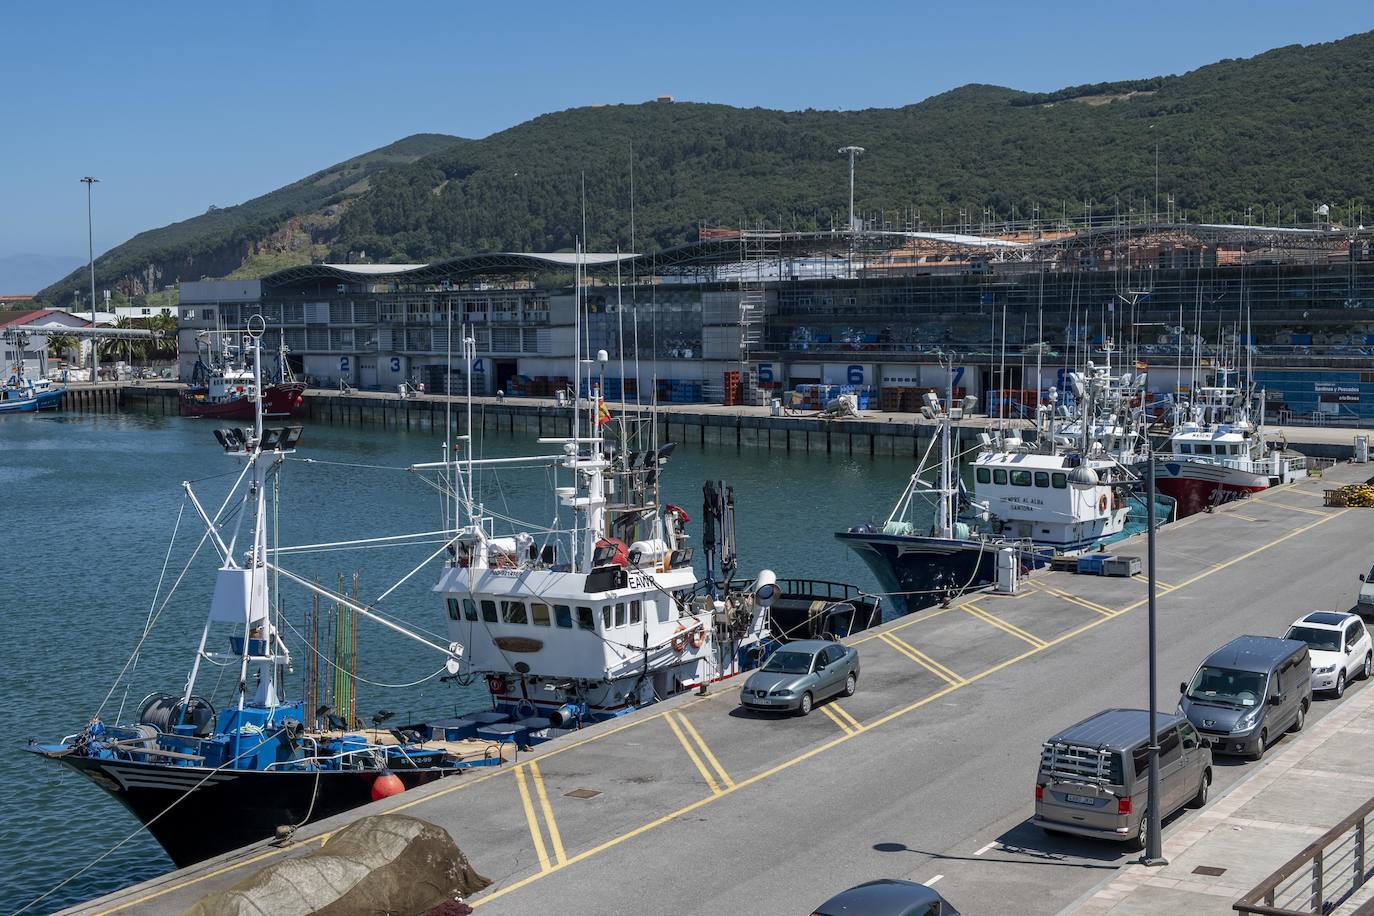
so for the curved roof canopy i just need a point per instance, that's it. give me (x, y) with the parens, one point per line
(493, 263)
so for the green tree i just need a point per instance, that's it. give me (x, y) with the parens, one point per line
(62, 346)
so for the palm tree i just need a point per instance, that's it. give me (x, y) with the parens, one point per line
(115, 347)
(60, 345)
(166, 324)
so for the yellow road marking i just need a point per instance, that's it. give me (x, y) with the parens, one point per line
(1083, 602)
(555, 838)
(834, 717)
(706, 750)
(920, 658)
(1274, 502)
(1003, 625)
(787, 764)
(918, 617)
(1242, 515)
(691, 753)
(532, 819)
(844, 714)
(1161, 585)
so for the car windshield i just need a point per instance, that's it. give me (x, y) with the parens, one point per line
(1223, 685)
(789, 663)
(1320, 640)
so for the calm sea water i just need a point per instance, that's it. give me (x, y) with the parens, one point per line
(90, 507)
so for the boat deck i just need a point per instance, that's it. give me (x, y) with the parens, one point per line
(926, 773)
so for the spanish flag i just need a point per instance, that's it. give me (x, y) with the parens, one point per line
(603, 413)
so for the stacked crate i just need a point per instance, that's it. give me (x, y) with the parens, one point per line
(734, 389)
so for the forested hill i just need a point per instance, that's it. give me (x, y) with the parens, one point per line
(1287, 129)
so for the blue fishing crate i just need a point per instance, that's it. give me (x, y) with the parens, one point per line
(1092, 564)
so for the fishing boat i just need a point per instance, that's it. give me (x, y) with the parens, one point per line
(203, 780)
(604, 613)
(21, 394)
(1065, 492)
(226, 388)
(1217, 452)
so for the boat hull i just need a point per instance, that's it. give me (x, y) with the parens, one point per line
(229, 809)
(277, 401)
(917, 572)
(1196, 486)
(48, 400)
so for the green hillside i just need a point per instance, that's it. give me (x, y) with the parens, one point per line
(218, 242)
(1286, 130)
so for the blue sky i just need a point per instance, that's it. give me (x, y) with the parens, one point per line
(177, 106)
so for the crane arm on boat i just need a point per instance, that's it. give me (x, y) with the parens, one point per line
(454, 650)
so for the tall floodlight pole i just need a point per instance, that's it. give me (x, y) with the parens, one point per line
(851, 151)
(1154, 851)
(90, 250)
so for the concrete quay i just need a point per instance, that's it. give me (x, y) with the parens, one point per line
(872, 433)
(926, 773)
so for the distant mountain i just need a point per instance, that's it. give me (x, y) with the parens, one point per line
(277, 229)
(1284, 131)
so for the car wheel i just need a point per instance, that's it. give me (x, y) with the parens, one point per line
(1204, 786)
(1137, 842)
(851, 684)
(1263, 745)
(1368, 665)
(1301, 720)
(804, 708)
(1339, 690)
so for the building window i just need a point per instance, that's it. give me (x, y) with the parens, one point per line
(539, 614)
(207, 314)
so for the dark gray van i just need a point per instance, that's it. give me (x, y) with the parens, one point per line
(1248, 693)
(1094, 779)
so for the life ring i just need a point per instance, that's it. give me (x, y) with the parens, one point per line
(698, 637)
(680, 640)
(496, 683)
(1102, 503)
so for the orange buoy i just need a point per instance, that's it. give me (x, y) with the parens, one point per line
(387, 785)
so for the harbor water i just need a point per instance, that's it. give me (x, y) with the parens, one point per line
(99, 532)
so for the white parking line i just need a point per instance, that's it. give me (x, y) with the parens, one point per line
(933, 880)
(986, 848)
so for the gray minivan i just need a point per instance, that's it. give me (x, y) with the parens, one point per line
(1248, 693)
(1094, 781)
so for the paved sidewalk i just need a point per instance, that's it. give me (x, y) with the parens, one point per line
(1309, 784)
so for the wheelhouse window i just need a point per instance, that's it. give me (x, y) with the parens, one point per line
(539, 614)
(999, 477)
(452, 608)
(1020, 478)
(489, 610)
(636, 612)
(620, 614)
(1042, 478)
(585, 619)
(469, 609)
(562, 615)
(1059, 480)
(513, 612)
(605, 616)
(984, 475)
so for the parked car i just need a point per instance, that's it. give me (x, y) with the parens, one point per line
(887, 897)
(800, 674)
(1094, 776)
(1338, 645)
(1248, 693)
(1364, 602)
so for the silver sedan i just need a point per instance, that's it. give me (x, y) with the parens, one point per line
(800, 674)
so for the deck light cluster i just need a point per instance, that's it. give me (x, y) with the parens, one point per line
(277, 438)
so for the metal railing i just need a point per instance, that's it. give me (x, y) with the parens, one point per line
(1320, 878)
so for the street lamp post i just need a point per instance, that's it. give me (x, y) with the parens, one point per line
(1154, 852)
(852, 151)
(88, 181)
